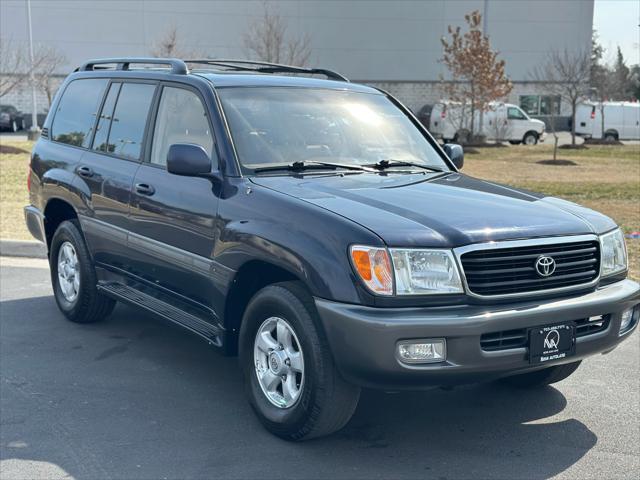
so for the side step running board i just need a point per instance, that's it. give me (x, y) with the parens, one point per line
(174, 314)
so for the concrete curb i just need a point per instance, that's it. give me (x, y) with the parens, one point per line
(23, 248)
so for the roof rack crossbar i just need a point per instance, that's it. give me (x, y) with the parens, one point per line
(177, 66)
(266, 67)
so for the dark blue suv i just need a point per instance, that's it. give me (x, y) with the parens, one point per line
(313, 227)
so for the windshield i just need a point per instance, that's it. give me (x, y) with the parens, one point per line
(283, 125)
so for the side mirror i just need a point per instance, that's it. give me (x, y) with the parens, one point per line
(455, 154)
(188, 160)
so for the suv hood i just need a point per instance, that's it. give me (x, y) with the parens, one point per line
(441, 210)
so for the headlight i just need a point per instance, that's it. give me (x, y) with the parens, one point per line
(613, 256)
(423, 272)
(416, 271)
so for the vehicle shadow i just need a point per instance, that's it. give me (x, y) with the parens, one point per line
(134, 397)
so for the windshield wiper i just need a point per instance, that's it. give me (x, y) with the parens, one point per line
(384, 164)
(313, 165)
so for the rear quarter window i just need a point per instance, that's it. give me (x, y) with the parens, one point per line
(76, 112)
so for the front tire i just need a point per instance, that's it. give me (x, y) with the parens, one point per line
(290, 377)
(530, 138)
(542, 377)
(73, 277)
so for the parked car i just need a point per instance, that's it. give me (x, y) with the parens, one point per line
(317, 230)
(11, 118)
(621, 120)
(502, 122)
(424, 115)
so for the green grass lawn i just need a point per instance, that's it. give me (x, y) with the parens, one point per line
(13, 190)
(605, 178)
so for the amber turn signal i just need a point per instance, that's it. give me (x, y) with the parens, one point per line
(374, 268)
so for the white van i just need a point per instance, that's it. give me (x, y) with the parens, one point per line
(503, 122)
(621, 120)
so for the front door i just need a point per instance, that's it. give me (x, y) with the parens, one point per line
(518, 123)
(173, 228)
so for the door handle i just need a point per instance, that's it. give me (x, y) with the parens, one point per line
(145, 189)
(84, 171)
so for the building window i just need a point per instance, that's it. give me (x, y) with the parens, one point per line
(540, 104)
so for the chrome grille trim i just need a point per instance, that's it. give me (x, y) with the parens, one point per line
(459, 251)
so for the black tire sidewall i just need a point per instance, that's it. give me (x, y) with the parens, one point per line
(269, 303)
(535, 139)
(69, 232)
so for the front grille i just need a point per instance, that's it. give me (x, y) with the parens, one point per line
(503, 271)
(518, 338)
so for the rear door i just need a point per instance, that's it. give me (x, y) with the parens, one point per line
(173, 218)
(106, 170)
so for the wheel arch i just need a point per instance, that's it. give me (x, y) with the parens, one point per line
(249, 279)
(55, 212)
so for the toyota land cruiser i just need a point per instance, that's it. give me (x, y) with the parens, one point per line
(315, 229)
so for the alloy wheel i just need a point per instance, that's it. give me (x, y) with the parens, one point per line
(68, 272)
(279, 363)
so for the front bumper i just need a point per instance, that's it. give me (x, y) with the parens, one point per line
(363, 339)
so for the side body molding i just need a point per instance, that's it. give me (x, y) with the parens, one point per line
(220, 275)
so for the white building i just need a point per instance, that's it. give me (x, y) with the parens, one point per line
(392, 44)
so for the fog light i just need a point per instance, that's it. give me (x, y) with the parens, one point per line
(628, 318)
(422, 351)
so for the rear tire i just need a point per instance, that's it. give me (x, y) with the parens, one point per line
(515, 142)
(610, 137)
(323, 402)
(543, 377)
(75, 288)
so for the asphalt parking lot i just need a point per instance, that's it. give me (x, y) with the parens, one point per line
(135, 398)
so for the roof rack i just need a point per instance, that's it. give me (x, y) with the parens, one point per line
(177, 66)
(266, 67)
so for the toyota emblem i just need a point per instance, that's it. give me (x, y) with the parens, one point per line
(545, 266)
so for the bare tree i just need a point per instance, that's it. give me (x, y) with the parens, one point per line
(553, 108)
(15, 68)
(13, 65)
(48, 61)
(170, 46)
(469, 58)
(267, 39)
(566, 74)
(603, 86)
(602, 81)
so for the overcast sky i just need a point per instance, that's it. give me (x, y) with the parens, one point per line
(617, 24)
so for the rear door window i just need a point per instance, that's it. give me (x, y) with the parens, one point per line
(76, 112)
(129, 120)
(104, 122)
